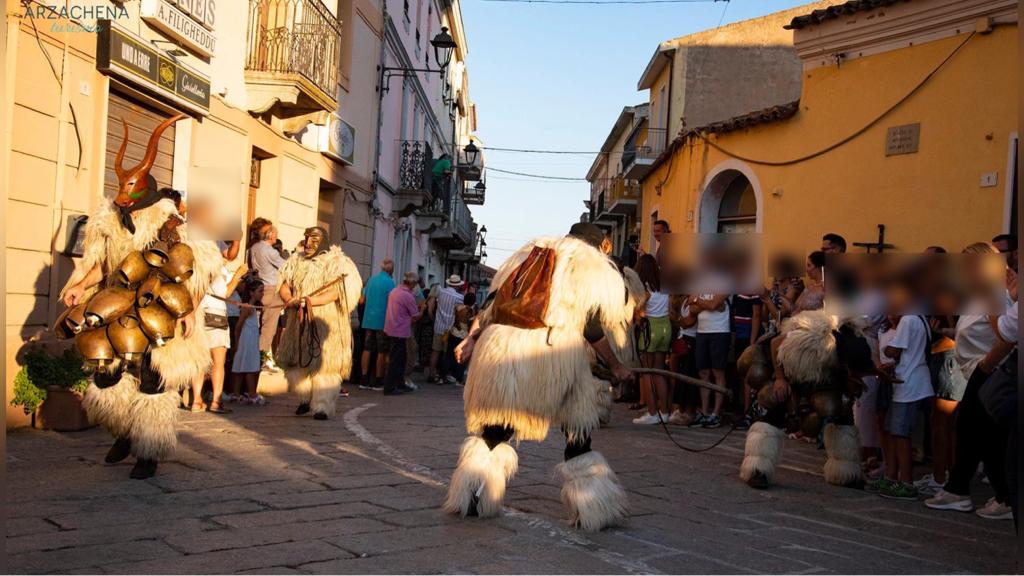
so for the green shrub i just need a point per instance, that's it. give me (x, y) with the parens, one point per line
(42, 369)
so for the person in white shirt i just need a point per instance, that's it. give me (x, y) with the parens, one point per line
(909, 348)
(713, 339)
(655, 339)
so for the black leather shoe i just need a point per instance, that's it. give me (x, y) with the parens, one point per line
(302, 409)
(319, 416)
(119, 451)
(143, 469)
(394, 392)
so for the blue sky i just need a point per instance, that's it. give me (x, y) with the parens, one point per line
(548, 76)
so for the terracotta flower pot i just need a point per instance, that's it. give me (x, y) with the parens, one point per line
(62, 411)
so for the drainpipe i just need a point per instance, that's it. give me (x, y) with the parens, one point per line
(374, 205)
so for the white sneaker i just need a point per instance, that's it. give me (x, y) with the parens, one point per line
(949, 501)
(993, 510)
(450, 379)
(928, 484)
(648, 419)
(410, 384)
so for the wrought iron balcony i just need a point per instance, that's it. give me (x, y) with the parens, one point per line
(293, 54)
(415, 178)
(619, 199)
(638, 158)
(458, 230)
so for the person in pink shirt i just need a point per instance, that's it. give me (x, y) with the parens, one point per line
(402, 312)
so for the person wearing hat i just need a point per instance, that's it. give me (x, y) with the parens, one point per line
(403, 311)
(444, 318)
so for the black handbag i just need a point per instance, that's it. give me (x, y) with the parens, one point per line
(216, 321)
(999, 392)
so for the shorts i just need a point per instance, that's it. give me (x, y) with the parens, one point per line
(218, 338)
(660, 337)
(376, 341)
(900, 418)
(712, 350)
(947, 378)
(440, 343)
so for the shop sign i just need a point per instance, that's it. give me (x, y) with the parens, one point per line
(127, 56)
(338, 140)
(177, 25)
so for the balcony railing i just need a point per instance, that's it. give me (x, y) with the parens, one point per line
(637, 158)
(461, 220)
(623, 189)
(295, 37)
(416, 179)
(416, 169)
(619, 199)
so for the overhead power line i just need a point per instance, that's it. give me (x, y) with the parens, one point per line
(540, 176)
(606, 1)
(529, 151)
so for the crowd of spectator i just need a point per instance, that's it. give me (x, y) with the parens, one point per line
(930, 407)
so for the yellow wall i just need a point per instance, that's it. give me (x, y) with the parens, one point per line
(967, 113)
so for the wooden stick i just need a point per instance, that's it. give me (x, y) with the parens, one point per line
(684, 378)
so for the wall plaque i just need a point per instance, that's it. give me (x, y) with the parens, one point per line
(902, 139)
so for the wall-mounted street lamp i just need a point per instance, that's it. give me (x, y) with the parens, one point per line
(482, 242)
(471, 153)
(444, 46)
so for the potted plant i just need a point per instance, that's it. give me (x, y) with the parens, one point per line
(50, 387)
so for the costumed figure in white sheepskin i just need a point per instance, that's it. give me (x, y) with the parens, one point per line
(320, 287)
(810, 372)
(132, 309)
(532, 372)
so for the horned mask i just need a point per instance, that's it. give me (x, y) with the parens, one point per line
(133, 183)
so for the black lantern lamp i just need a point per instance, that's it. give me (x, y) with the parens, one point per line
(444, 46)
(480, 188)
(471, 153)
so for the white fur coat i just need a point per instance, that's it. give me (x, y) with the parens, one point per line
(531, 379)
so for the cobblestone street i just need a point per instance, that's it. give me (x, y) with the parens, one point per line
(261, 491)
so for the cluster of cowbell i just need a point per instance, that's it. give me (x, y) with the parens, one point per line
(140, 308)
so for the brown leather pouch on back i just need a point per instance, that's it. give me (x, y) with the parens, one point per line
(522, 300)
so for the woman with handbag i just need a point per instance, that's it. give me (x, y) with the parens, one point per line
(215, 310)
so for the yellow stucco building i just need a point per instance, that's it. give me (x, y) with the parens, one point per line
(906, 117)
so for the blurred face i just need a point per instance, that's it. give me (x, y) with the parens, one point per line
(810, 268)
(659, 231)
(829, 248)
(257, 294)
(273, 235)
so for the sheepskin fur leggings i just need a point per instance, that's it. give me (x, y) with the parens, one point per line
(494, 435)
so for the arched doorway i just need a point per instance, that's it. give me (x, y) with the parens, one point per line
(730, 203)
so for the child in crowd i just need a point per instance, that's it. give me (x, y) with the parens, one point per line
(909, 348)
(247, 354)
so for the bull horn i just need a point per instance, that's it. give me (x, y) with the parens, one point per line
(151, 148)
(121, 174)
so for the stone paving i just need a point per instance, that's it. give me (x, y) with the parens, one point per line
(262, 491)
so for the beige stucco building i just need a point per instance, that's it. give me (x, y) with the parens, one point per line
(282, 105)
